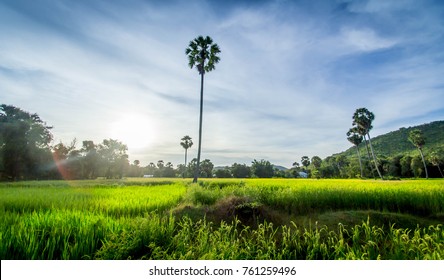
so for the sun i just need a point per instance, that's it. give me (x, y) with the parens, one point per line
(135, 131)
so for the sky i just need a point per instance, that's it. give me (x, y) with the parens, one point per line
(290, 76)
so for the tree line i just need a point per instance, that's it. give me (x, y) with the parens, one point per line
(26, 153)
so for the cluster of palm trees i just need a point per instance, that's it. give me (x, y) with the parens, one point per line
(362, 124)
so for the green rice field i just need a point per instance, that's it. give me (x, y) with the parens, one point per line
(222, 219)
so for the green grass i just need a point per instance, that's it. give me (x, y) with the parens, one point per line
(222, 219)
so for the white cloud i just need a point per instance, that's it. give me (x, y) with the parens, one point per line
(365, 39)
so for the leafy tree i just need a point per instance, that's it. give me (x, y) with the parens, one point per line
(262, 168)
(24, 143)
(114, 158)
(417, 166)
(436, 160)
(206, 168)
(355, 138)
(406, 163)
(341, 162)
(316, 162)
(363, 119)
(168, 170)
(305, 161)
(417, 139)
(240, 171)
(150, 169)
(203, 54)
(186, 143)
(61, 153)
(91, 159)
(223, 172)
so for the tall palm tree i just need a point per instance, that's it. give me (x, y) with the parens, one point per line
(363, 119)
(355, 138)
(416, 137)
(202, 53)
(186, 144)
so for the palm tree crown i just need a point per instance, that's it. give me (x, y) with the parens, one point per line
(363, 118)
(186, 142)
(202, 53)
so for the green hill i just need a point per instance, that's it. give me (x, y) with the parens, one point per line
(397, 143)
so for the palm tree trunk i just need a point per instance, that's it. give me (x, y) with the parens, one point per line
(360, 163)
(185, 167)
(196, 172)
(368, 155)
(440, 172)
(423, 161)
(374, 158)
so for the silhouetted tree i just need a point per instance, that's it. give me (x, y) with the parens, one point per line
(24, 143)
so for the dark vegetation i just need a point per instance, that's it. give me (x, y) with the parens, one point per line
(26, 153)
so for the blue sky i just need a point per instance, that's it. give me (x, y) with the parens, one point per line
(291, 74)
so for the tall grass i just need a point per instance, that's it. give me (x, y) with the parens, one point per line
(129, 219)
(191, 240)
(111, 200)
(418, 197)
(63, 221)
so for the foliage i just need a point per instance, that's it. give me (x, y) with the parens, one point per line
(24, 144)
(262, 169)
(397, 143)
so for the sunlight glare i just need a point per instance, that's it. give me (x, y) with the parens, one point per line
(136, 131)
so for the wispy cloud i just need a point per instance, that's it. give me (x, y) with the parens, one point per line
(290, 77)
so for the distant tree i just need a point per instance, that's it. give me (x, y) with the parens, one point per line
(114, 158)
(417, 166)
(355, 138)
(240, 171)
(203, 54)
(134, 169)
(90, 159)
(295, 169)
(262, 169)
(436, 160)
(60, 153)
(24, 143)
(363, 118)
(223, 172)
(168, 170)
(395, 166)
(305, 161)
(406, 169)
(206, 168)
(150, 169)
(316, 162)
(341, 161)
(186, 143)
(417, 138)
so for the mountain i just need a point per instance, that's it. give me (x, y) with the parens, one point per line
(280, 168)
(397, 143)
